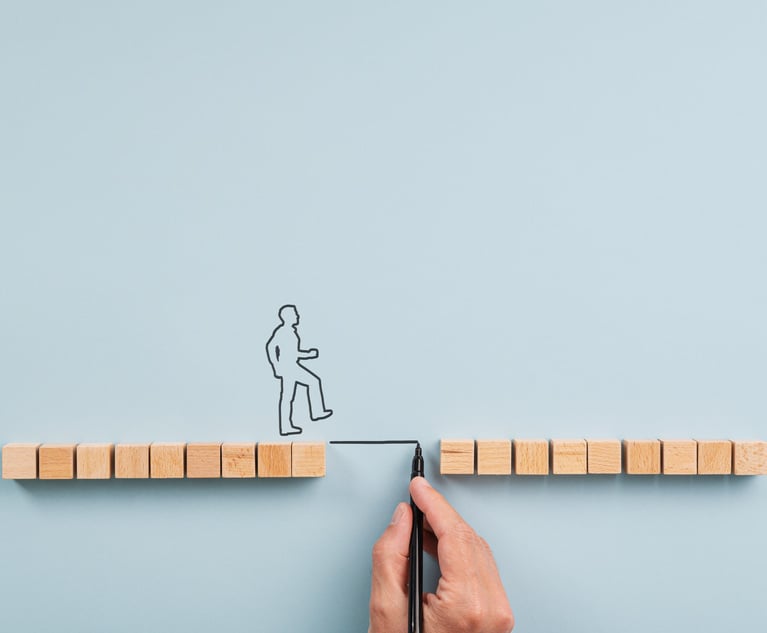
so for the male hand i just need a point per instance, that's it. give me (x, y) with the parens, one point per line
(470, 597)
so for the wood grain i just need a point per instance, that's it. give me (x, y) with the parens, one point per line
(238, 460)
(308, 459)
(203, 460)
(680, 457)
(274, 459)
(57, 461)
(166, 460)
(568, 457)
(714, 457)
(604, 457)
(642, 457)
(20, 461)
(456, 457)
(531, 457)
(493, 457)
(132, 461)
(94, 461)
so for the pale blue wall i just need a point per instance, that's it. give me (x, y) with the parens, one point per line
(498, 219)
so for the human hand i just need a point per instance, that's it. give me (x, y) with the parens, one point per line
(470, 597)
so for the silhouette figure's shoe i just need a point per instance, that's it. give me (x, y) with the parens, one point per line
(325, 414)
(291, 430)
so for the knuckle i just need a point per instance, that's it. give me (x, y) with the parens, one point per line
(474, 618)
(380, 553)
(464, 532)
(503, 620)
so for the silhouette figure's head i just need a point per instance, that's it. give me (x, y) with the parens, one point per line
(289, 315)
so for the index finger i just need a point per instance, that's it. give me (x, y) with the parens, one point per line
(441, 516)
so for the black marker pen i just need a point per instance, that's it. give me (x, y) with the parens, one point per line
(415, 586)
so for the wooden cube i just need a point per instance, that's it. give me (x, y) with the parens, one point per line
(20, 461)
(493, 457)
(166, 460)
(238, 461)
(308, 459)
(456, 457)
(274, 459)
(714, 457)
(531, 457)
(749, 458)
(57, 461)
(94, 461)
(132, 461)
(203, 460)
(568, 457)
(642, 457)
(604, 457)
(680, 457)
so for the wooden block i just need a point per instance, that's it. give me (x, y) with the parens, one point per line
(749, 458)
(274, 459)
(20, 461)
(714, 457)
(493, 457)
(94, 461)
(166, 460)
(531, 457)
(680, 457)
(203, 460)
(57, 461)
(604, 457)
(568, 457)
(238, 461)
(456, 457)
(132, 461)
(642, 457)
(308, 459)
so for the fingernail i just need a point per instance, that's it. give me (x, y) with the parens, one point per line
(399, 511)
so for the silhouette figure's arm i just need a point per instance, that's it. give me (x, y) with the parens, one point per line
(305, 354)
(273, 353)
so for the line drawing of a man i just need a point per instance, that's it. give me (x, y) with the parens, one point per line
(283, 349)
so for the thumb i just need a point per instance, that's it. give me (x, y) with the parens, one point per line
(388, 590)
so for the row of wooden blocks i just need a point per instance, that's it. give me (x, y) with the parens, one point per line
(164, 460)
(603, 457)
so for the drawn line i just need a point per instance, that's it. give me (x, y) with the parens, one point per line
(416, 442)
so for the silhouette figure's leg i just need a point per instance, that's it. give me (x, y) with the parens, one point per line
(314, 391)
(287, 395)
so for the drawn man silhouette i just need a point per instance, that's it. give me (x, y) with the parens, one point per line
(283, 349)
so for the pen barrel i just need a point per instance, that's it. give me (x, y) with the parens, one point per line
(415, 594)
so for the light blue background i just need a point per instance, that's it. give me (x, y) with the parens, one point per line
(541, 219)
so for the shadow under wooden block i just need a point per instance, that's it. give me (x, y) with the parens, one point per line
(57, 461)
(749, 458)
(94, 461)
(680, 457)
(166, 460)
(568, 457)
(308, 459)
(132, 461)
(604, 457)
(274, 459)
(203, 460)
(20, 461)
(238, 461)
(714, 457)
(531, 457)
(642, 457)
(493, 457)
(456, 457)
